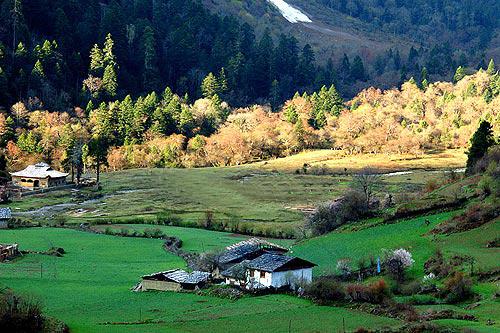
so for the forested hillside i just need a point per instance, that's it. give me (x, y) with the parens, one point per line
(45, 46)
(168, 84)
(167, 131)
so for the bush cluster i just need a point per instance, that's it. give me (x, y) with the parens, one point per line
(327, 217)
(20, 314)
(457, 288)
(328, 290)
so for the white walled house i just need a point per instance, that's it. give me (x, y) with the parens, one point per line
(270, 270)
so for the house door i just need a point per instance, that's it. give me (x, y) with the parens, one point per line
(36, 183)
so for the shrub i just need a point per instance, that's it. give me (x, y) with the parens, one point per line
(374, 293)
(330, 216)
(431, 185)
(421, 300)
(167, 218)
(19, 314)
(109, 231)
(123, 232)
(474, 217)
(153, 233)
(325, 291)
(457, 288)
(208, 220)
(437, 265)
(344, 266)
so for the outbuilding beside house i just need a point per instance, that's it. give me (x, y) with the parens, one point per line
(173, 280)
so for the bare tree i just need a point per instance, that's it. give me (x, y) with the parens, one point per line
(366, 181)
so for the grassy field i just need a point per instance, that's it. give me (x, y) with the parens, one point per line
(108, 266)
(258, 196)
(89, 287)
(338, 161)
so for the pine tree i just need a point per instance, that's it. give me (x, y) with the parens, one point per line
(423, 74)
(425, 84)
(210, 86)
(337, 101)
(275, 95)
(151, 74)
(491, 68)
(480, 142)
(108, 55)
(90, 107)
(96, 60)
(291, 114)
(38, 71)
(109, 81)
(9, 132)
(222, 81)
(358, 69)
(459, 74)
(186, 121)
(21, 50)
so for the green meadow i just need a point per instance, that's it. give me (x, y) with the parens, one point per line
(89, 289)
(249, 199)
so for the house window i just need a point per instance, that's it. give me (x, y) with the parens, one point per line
(251, 274)
(262, 275)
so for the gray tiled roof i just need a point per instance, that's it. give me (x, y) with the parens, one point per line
(5, 213)
(238, 253)
(244, 248)
(271, 262)
(181, 276)
(236, 271)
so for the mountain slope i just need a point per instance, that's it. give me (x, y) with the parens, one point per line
(442, 36)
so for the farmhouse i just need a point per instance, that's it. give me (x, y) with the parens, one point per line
(259, 264)
(270, 270)
(246, 250)
(174, 280)
(5, 217)
(8, 251)
(40, 175)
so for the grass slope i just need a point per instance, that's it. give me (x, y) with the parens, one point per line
(89, 287)
(411, 234)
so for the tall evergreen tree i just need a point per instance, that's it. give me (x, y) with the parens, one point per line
(459, 74)
(210, 86)
(480, 142)
(358, 69)
(491, 67)
(109, 81)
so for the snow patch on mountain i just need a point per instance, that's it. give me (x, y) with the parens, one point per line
(291, 14)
